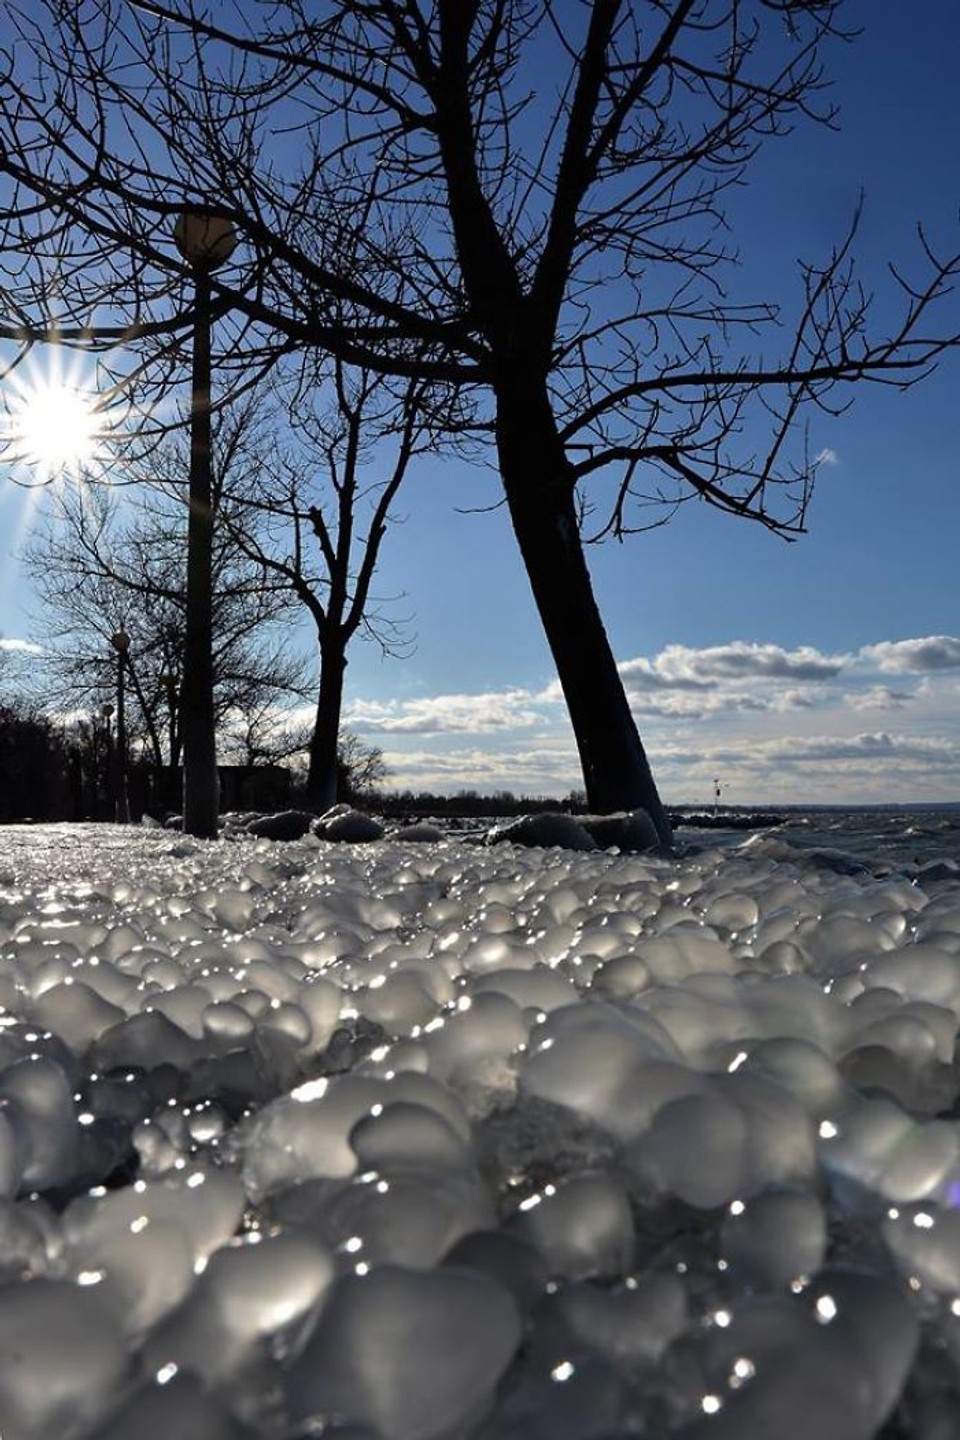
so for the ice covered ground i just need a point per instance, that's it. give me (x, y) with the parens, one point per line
(430, 1141)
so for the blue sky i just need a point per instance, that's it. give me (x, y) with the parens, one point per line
(827, 670)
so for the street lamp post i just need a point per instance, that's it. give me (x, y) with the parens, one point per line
(121, 644)
(106, 715)
(206, 240)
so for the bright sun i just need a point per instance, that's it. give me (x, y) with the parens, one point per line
(54, 427)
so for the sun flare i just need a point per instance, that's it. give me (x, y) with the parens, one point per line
(54, 427)
(55, 422)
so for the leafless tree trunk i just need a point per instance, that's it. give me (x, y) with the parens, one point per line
(321, 511)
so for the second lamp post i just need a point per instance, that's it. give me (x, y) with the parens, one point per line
(121, 800)
(206, 240)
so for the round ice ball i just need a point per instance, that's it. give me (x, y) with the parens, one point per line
(75, 1012)
(39, 1106)
(774, 1238)
(630, 1324)
(141, 1270)
(172, 1404)
(582, 1226)
(695, 1149)
(205, 1204)
(306, 1133)
(414, 1355)
(403, 1136)
(11, 1163)
(62, 1359)
(255, 1291)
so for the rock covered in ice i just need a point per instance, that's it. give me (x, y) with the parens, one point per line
(543, 831)
(872, 1143)
(476, 1046)
(145, 1041)
(76, 1012)
(307, 1133)
(420, 833)
(401, 1001)
(285, 825)
(345, 824)
(539, 988)
(406, 1136)
(142, 1271)
(504, 1257)
(925, 1242)
(589, 1058)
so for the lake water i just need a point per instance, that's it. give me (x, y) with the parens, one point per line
(883, 838)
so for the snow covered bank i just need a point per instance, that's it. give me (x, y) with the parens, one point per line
(428, 1141)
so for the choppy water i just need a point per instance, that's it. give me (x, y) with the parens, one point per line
(882, 838)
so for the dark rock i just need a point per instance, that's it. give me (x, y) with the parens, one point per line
(347, 825)
(546, 830)
(286, 825)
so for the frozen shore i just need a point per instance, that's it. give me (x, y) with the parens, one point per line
(427, 1141)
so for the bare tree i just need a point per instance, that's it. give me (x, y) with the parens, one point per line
(414, 201)
(320, 510)
(362, 769)
(101, 565)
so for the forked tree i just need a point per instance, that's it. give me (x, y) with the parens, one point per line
(312, 516)
(523, 200)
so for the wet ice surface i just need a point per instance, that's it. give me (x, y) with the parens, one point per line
(430, 1141)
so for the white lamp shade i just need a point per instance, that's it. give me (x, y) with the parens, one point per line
(204, 238)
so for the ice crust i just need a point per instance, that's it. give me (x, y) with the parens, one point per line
(430, 1141)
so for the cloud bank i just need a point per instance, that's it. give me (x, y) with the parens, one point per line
(778, 723)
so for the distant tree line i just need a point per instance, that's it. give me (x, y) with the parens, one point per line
(54, 768)
(399, 804)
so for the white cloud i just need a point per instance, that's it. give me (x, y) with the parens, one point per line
(680, 667)
(696, 706)
(641, 675)
(921, 656)
(717, 710)
(478, 714)
(21, 647)
(878, 697)
(823, 769)
(799, 699)
(826, 456)
(550, 768)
